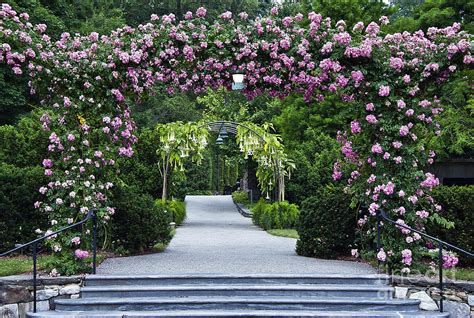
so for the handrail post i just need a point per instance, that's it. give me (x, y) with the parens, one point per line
(440, 265)
(94, 242)
(35, 247)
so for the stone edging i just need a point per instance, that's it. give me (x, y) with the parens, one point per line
(16, 293)
(458, 295)
(243, 210)
(467, 286)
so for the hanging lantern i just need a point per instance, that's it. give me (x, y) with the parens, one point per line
(238, 81)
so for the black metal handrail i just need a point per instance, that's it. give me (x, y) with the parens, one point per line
(34, 245)
(381, 214)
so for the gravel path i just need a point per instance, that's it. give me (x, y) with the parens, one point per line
(216, 239)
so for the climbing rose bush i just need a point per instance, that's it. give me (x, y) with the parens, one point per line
(87, 82)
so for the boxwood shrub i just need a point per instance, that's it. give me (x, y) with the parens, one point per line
(138, 224)
(326, 225)
(278, 215)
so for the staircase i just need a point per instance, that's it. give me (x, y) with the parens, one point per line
(237, 296)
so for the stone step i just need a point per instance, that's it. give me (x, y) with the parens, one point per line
(351, 291)
(235, 303)
(254, 279)
(238, 314)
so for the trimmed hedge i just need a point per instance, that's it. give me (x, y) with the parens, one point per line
(18, 192)
(278, 215)
(240, 197)
(138, 223)
(326, 225)
(175, 209)
(458, 207)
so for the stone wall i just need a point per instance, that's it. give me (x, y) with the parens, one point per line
(458, 296)
(16, 293)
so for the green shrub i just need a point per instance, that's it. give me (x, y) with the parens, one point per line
(138, 223)
(258, 210)
(458, 207)
(18, 193)
(178, 208)
(240, 197)
(278, 215)
(25, 144)
(314, 156)
(289, 215)
(326, 225)
(175, 209)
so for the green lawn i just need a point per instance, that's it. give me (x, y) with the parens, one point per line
(284, 232)
(24, 264)
(460, 274)
(20, 264)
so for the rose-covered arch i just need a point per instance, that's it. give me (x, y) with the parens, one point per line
(86, 84)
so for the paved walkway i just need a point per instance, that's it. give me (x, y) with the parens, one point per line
(216, 239)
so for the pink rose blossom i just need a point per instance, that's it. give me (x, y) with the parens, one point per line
(404, 130)
(381, 255)
(384, 90)
(80, 254)
(355, 127)
(76, 240)
(201, 12)
(371, 119)
(376, 148)
(370, 107)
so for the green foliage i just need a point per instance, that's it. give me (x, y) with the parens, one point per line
(314, 158)
(326, 225)
(138, 223)
(307, 131)
(103, 22)
(351, 11)
(240, 197)
(405, 7)
(25, 144)
(442, 13)
(161, 109)
(414, 15)
(174, 208)
(278, 215)
(13, 96)
(66, 264)
(196, 181)
(142, 170)
(236, 107)
(457, 203)
(137, 11)
(258, 210)
(457, 120)
(297, 116)
(178, 208)
(18, 192)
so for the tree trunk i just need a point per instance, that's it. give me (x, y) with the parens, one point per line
(165, 180)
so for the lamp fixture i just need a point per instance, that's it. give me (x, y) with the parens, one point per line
(238, 81)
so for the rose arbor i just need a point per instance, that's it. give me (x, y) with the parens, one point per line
(87, 83)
